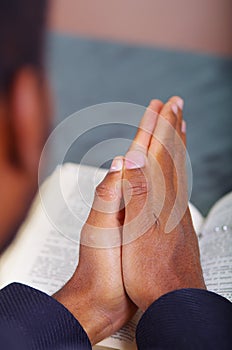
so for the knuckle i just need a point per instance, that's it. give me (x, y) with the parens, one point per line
(104, 191)
(138, 189)
(138, 186)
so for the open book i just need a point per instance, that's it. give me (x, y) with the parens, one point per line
(44, 254)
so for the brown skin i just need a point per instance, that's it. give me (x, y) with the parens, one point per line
(103, 305)
(24, 127)
(158, 262)
(104, 292)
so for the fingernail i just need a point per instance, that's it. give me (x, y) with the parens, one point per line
(183, 127)
(174, 109)
(180, 103)
(134, 160)
(116, 165)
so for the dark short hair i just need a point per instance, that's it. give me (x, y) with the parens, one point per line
(22, 29)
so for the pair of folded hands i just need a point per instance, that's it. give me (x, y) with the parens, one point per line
(138, 242)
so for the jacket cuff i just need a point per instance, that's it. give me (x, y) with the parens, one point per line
(43, 322)
(186, 319)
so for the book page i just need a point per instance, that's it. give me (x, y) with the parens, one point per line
(41, 255)
(45, 253)
(216, 248)
(197, 218)
(123, 339)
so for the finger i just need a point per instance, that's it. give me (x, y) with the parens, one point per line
(183, 131)
(179, 146)
(180, 180)
(180, 204)
(137, 196)
(175, 119)
(180, 105)
(180, 177)
(180, 155)
(103, 223)
(163, 140)
(146, 127)
(108, 195)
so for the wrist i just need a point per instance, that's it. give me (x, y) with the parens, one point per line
(83, 307)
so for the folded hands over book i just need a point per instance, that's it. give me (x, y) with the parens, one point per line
(138, 242)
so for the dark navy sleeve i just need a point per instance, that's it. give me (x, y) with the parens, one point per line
(30, 319)
(188, 319)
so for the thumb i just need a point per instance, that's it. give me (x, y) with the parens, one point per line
(102, 228)
(136, 194)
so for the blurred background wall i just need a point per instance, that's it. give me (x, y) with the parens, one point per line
(196, 25)
(134, 50)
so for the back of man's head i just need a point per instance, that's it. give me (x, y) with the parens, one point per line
(24, 108)
(22, 27)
